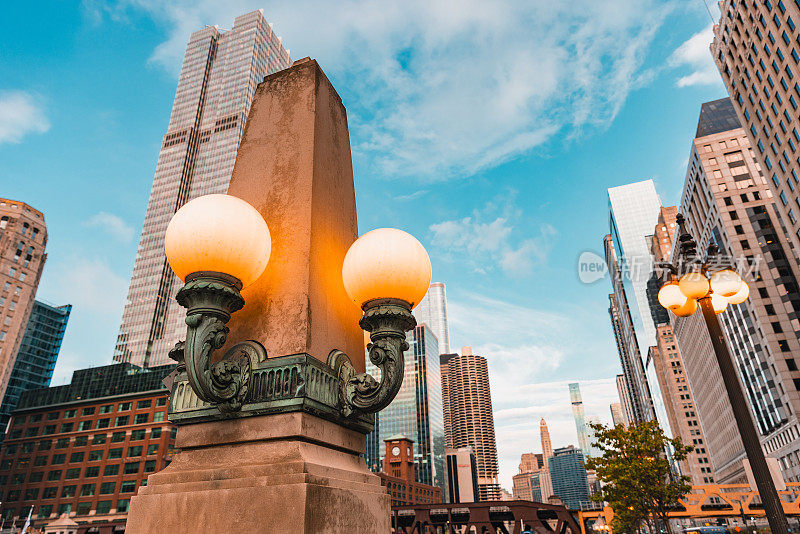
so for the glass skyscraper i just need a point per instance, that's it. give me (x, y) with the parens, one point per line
(220, 72)
(36, 358)
(416, 411)
(432, 311)
(568, 474)
(580, 421)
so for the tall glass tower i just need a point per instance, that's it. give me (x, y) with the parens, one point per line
(432, 311)
(580, 420)
(416, 411)
(220, 72)
(36, 358)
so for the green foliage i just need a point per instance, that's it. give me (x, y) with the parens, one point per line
(639, 484)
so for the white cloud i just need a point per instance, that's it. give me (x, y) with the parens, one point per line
(694, 54)
(112, 224)
(20, 114)
(444, 89)
(487, 239)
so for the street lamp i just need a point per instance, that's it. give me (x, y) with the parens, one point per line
(220, 244)
(714, 287)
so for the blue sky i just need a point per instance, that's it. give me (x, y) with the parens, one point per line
(490, 130)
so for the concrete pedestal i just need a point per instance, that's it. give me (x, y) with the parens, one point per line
(292, 473)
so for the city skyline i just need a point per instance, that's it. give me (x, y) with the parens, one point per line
(485, 286)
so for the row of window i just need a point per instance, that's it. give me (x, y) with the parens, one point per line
(88, 424)
(81, 441)
(128, 468)
(89, 410)
(78, 457)
(46, 510)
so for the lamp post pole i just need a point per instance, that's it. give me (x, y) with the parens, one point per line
(744, 421)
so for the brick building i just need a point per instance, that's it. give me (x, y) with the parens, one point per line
(84, 449)
(398, 475)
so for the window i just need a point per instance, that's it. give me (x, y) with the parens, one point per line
(114, 453)
(32, 431)
(152, 449)
(103, 423)
(127, 486)
(54, 475)
(144, 403)
(50, 493)
(85, 425)
(75, 472)
(68, 491)
(155, 433)
(70, 414)
(108, 487)
(65, 508)
(138, 434)
(135, 451)
(121, 420)
(98, 439)
(87, 490)
(117, 437)
(83, 508)
(80, 441)
(123, 406)
(131, 468)
(92, 471)
(88, 411)
(38, 476)
(141, 418)
(45, 445)
(76, 457)
(62, 443)
(149, 466)
(108, 408)
(45, 510)
(95, 456)
(158, 416)
(111, 470)
(162, 401)
(103, 507)
(59, 459)
(122, 505)
(67, 427)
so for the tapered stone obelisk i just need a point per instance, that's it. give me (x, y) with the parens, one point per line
(297, 471)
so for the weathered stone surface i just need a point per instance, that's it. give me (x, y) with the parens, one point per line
(294, 166)
(292, 473)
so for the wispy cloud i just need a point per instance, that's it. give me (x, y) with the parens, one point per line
(112, 224)
(439, 89)
(21, 113)
(488, 239)
(694, 55)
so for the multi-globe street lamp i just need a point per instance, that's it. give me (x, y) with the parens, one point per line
(220, 244)
(713, 285)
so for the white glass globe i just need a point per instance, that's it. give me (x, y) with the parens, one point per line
(220, 233)
(687, 309)
(386, 263)
(694, 285)
(670, 296)
(741, 295)
(726, 282)
(719, 303)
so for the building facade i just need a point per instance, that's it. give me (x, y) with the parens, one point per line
(617, 416)
(462, 475)
(397, 475)
(545, 483)
(23, 237)
(579, 416)
(468, 416)
(757, 51)
(85, 448)
(432, 311)
(726, 201)
(36, 358)
(624, 400)
(526, 484)
(416, 412)
(568, 474)
(218, 79)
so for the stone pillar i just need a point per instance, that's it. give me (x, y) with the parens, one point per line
(289, 460)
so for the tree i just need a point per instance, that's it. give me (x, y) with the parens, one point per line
(640, 485)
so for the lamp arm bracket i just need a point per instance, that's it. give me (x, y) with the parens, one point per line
(387, 320)
(210, 300)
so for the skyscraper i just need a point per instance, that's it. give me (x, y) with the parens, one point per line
(526, 485)
(580, 421)
(432, 311)
(568, 474)
(726, 201)
(468, 417)
(462, 475)
(624, 400)
(617, 417)
(416, 411)
(545, 483)
(756, 50)
(23, 236)
(670, 370)
(37, 355)
(220, 72)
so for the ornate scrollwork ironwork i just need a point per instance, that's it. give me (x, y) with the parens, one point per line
(387, 321)
(210, 299)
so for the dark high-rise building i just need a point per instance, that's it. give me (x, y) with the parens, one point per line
(416, 411)
(568, 474)
(36, 358)
(85, 448)
(218, 79)
(468, 417)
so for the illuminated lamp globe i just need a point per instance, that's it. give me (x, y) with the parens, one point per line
(726, 282)
(218, 233)
(670, 296)
(687, 309)
(386, 263)
(740, 295)
(719, 303)
(693, 285)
